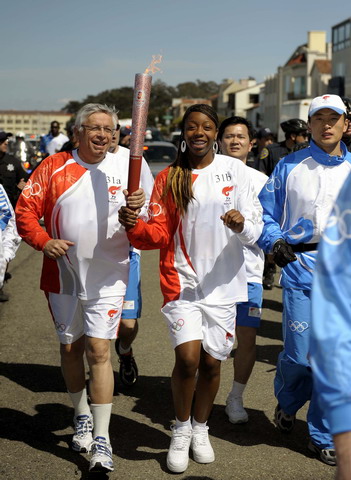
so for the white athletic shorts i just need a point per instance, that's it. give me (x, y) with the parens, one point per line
(97, 318)
(214, 325)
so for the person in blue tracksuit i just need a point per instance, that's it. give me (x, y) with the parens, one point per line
(330, 343)
(9, 238)
(296, 201)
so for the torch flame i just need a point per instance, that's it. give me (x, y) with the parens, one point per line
(152, 67)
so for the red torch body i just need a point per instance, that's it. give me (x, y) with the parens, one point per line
(141, 99)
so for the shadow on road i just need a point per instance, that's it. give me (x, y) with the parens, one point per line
(34, 377)
(272, 305)
(38, 430)
(270, 329)
(153, 398)
(259, 430)
(130, 439)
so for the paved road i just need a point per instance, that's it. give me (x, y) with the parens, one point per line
(36, 415)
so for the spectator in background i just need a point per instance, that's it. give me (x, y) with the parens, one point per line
(295, 132)
(264, 137)
(72, 142)
(9, 238)
(128, 328)
(235, 137)
(12, 175)
(125, 136)
(347, 135)
(53, 141)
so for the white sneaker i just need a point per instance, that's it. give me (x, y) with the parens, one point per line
(83, 436)
(178, 453)
(235, 410)
(101, 461)
(201, 446)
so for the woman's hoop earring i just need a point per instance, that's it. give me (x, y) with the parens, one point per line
(215, 147)
(183, 146)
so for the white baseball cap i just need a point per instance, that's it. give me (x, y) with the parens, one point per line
(333, 102)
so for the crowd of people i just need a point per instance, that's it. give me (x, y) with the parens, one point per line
(257, 204)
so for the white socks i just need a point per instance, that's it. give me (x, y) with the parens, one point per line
(183, 425)
(80, 402)
(198, 425)
(101, 415)
(237, 389)
(187, 425)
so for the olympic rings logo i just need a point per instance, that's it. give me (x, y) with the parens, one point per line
(297, 326)
(338, 220)
(31, 189)
(154, 209)
(60, 327)
(176, 326)
(272, 184)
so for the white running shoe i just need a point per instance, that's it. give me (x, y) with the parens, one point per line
(201, 446)
(83, 436)
(235, 410)
(101, 460)
(178, 453)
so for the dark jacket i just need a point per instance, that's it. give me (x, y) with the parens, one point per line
(11, 172)
(271, 155)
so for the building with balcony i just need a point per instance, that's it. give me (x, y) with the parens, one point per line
(305, 75)
(226, 95)
(340, 83)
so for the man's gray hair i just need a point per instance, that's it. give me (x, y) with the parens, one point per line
(91, 108)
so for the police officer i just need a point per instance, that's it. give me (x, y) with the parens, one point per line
(295, 132)
(12, 175)
(347, 135)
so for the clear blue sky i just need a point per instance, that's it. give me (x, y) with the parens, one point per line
(53, 52)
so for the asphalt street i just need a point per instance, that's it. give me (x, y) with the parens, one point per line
(36, 415)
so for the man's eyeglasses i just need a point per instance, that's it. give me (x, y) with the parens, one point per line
(107, 130)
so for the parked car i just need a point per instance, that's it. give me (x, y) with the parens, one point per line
(153, 134)
(175, 137)
(159, 155)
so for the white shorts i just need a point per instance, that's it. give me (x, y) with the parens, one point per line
(97, 318)
(214, 325)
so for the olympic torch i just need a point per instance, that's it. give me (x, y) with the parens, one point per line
(142, 90)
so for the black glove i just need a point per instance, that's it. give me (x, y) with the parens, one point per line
(283, 253)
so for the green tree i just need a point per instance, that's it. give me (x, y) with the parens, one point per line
(198, 89)
(160, 98)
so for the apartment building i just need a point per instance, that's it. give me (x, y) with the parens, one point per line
(340, 83)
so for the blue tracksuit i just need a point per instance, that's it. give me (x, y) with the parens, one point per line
(330, 346)
(296, 201)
